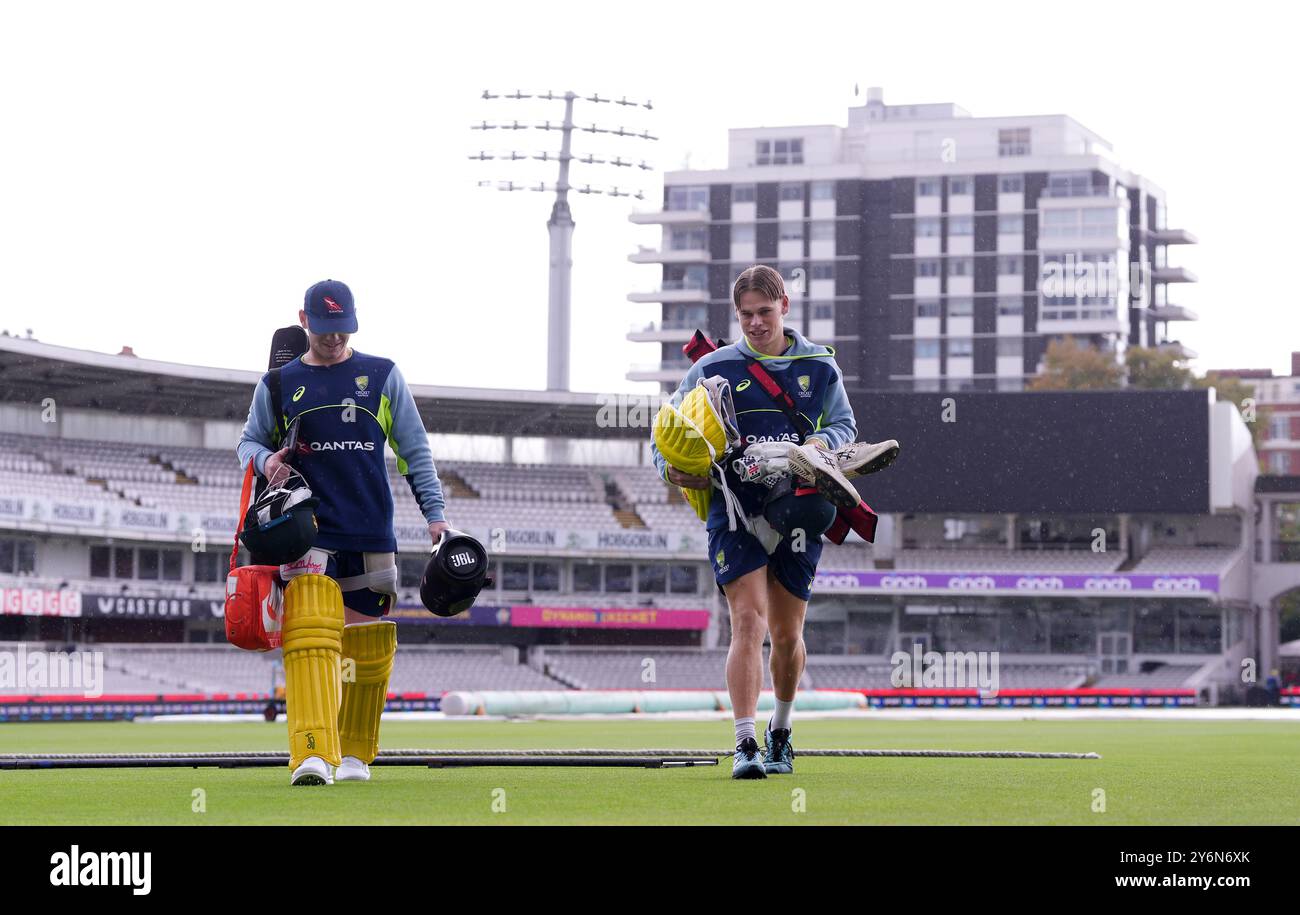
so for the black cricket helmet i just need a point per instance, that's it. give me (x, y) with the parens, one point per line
(456, 573)
(280, 526)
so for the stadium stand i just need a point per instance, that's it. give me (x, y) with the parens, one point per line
(593, 668)
(971, 560)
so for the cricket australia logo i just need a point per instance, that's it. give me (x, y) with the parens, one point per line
(721, 560)
(805, 385)
(363, 382)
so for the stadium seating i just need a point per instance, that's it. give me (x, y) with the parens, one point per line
(1167, 676)
(1186, 560)
(597, 668)
(222, 669)
(1067, 561)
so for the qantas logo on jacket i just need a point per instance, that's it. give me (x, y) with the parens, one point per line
(783, 437)
(342, 446)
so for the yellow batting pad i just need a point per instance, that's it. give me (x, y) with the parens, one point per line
(313, 643)
(695, 435)
(368, 650)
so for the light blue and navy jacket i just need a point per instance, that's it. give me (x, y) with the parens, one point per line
(808, 373)
(346, 413)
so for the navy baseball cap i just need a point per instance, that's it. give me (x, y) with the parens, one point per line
(330, 309)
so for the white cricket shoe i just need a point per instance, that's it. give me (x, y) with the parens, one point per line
(857, 459)
(819, 467)
(352, 770)
(312, 771)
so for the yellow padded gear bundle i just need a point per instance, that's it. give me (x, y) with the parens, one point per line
(313, 643)
(368, 650)
(695, 435)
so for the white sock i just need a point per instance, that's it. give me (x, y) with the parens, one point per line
(781, 716)
(745, 728)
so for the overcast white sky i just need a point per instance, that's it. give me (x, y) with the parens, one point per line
(174, 175)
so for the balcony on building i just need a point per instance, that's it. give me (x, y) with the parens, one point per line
(656, 256)
(1169, 274)
(672, 371)
(1170, 237)
(1172, 313)
(671, 291)
(1179, 349)
(669, 330)
(693, 216)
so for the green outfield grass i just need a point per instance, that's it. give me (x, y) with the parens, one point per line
(1152, 772)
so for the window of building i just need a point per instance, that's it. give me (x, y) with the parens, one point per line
(618, 578)
(1010, 266)
(514, 576)
(693, 239)
(742, 234)
(784, 152)
(1011, 346)
(546, 576)
(823, 190)
(17, 556)
(823, 270)
(123, 562)
(683, 579)
(792, 191)
(1277, 463)
(210, 568)
(822, 230)
(961, 266)
(688, 198)
(1013, 141)
(823, 311)
(1056, 223)
(1011, 306)
(960, 347)
(1011, 184)
(928, 227)
(790, 231)
(961, 225)
(961, 308)
(960, 185)
(1011, 225)
(927, 267)
(1069, 184)
(927, 308)
(1100, 223)
(101, 562)
(410, 569)
(927, 349)
(928, 187)
(171, 565)
(1153, 630)
(744, 193)
(1279, 427)
(586, 578)
(651, 578)
(1199, 631)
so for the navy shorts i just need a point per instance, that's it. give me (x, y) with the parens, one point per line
(736, 553)
(345, 564)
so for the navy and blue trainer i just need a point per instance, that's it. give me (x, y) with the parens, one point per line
(778, 752)
(747, 763)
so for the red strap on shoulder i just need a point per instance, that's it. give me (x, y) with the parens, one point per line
(244, 495)
(769, 384)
